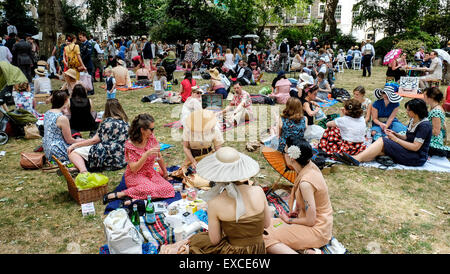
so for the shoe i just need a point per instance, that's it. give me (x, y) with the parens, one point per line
(107, 200)
(91, 92)
(349, 158)
(340, 158)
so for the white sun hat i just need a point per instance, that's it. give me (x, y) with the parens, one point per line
(227, 165)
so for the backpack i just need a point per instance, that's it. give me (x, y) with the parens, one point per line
(283, 48)
(147, 51)
(340, 93)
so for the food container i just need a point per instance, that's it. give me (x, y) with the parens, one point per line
(178, 187)
(191, 194)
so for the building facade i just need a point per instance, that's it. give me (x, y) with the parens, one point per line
(344, 16)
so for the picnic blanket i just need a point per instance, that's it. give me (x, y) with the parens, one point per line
(178, 125)
(434, 164)
(147, 248)
(411, 95)
(329, 104)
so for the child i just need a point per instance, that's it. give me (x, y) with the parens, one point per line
(366, 104)
(256, 72)
(110, 84)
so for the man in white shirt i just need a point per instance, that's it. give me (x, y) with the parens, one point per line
(196, 48)
(368, 51)
(10, 29)
(97, 54)
(5, 53)
(434, 71)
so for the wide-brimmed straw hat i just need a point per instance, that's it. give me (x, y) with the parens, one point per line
(390, 92)
(227, 165)
(40, 71)
(71, 73)
(214, 74)
(196, 89)
(201, 121)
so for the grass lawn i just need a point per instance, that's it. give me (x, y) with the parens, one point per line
(370, 206)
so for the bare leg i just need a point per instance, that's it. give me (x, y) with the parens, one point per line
(371, 151)
(78, 161)
(280, 248)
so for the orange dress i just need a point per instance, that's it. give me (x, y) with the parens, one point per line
(300, 237)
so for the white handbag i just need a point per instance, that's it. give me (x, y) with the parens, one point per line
(121, 235)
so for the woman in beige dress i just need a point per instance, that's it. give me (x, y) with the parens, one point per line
(310, 222)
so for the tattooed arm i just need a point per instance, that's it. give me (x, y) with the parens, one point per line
(310, 207)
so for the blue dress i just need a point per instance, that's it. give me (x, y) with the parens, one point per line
(383, 115)
(53, 141)
(420, 133)
(291, 129)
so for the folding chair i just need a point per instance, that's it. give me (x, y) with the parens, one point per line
(357, 63)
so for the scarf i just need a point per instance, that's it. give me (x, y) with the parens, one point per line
(233, 192)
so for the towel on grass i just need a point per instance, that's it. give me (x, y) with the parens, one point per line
(329, 103)
(435, 164)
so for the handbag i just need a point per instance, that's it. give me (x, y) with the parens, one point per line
(384, 161)
(121, 235)
(31, 131)
(85, 78)
(32, 160)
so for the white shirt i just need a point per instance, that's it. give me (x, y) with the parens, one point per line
(42, 85)
(196, 47)
(97, 48)
(229, 61)
(11, 29)
(323, 68)
(368, 47)
(192, 104)
(352, 129)
(5, 54)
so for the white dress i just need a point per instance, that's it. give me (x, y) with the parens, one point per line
(229, 64)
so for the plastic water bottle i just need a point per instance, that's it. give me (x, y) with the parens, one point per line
(368, 139)
(147, 235)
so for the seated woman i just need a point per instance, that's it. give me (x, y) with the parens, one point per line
(104, 151)
(384, 112)
(310, 107)
(193, 103)
(143, 76)
(237, 211)
(297, 61)
(70, 76)
(121, 74)
(366, 104)
(141, 152)
(160, 82)
(324, 87)
(310, 222)
(82, 115)
(201, 136)
(347, 133)
(292, 122)
(216, 84)
(186, 86)
(410, 149)
(396, 68)
(280, 75)
(57, 133)
(433, 97)
(281, 93)
(256, 72)
(24, 99)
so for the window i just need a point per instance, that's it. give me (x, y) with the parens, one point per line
(321, 9)
(338, 12)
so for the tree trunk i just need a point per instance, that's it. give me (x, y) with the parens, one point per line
(329, 17)
(51, 22)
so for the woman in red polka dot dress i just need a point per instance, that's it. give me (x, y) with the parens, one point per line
(141, 152)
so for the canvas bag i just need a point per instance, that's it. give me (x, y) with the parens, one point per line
(121, 235)
(31, 131)
(408, 85)
(85, 78)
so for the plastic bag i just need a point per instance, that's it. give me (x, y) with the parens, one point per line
(90, 180)
(265, 91)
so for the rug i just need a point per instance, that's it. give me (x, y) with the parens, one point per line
(329, 103)
(434, 164)
(147, 248)
(178, 125)
(133, 87)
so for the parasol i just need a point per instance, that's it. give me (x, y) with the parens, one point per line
(276, 160)
(392, 55)
(443, 55)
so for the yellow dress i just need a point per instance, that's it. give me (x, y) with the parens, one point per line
(244, 237)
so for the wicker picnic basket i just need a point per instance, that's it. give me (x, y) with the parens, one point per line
(82, 196)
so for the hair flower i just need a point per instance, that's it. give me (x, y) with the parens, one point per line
(294, 152)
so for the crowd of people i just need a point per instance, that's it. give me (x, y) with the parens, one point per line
(240, 220)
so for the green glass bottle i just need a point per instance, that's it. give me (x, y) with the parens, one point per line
(150, 217)
(135, 217)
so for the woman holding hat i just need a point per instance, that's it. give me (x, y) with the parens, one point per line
(410, 149)
(216, 84)
(310, 222)
(192, 103)
(384, 112)
(71, 80)
(201, 136)
(237, 211)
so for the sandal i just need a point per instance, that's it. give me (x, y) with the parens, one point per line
(349, 158)
(340, 158)
(107, 200)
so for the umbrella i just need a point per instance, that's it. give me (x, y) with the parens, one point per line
(251, 36)
(10, 75)
(236, 37)
(276, 160)
(443, 54)
(392, 55)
